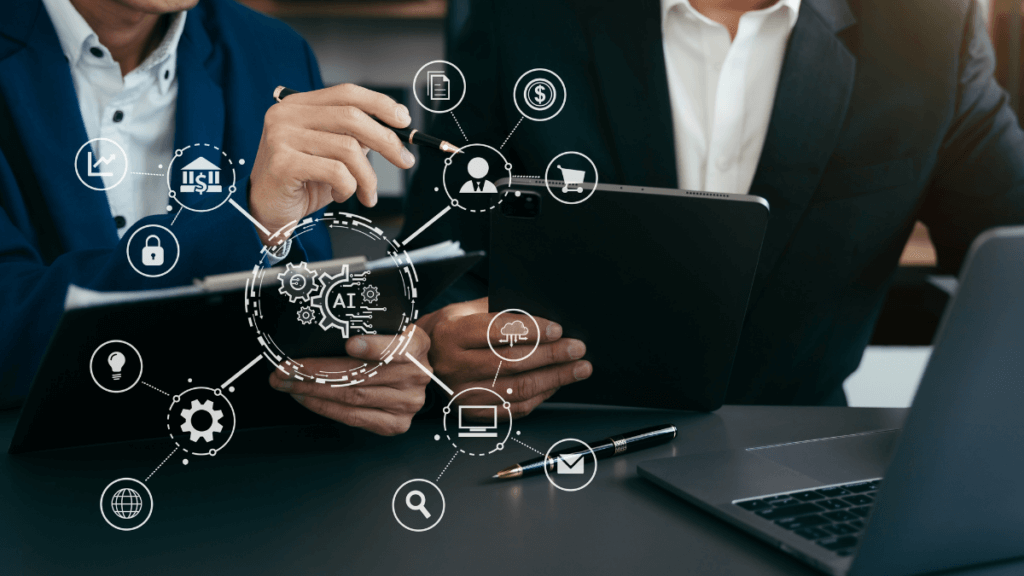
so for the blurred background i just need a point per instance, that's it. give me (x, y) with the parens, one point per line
(380, 44)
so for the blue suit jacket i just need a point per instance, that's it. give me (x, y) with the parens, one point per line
(886, 112)
(230, 59)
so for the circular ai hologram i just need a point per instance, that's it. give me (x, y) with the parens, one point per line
(472, 175)
(307, 310)
(475, 429)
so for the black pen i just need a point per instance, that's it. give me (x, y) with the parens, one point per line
(410, 135)
(630, 441)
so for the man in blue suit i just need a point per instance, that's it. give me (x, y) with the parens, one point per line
(159, 75)
(853, 118)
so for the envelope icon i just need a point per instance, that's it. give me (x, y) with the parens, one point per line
(570, 463)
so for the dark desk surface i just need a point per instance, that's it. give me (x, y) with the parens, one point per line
(317, 499)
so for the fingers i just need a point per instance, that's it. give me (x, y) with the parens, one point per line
(332, 172)
(471, 331)
(351, 121)
(481, 364)
(376, 421)
(371, 102)
(374, 347)
(535, 383)
(407, 400)
(344, 149)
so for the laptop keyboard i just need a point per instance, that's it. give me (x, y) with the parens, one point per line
(833, 517)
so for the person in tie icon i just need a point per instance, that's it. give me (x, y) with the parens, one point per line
(478, 184)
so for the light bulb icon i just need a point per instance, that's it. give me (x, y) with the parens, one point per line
(116, 361)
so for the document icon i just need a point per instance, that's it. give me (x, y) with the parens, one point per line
(437, 86)
(570, 463)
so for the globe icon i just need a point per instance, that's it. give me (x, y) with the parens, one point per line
(126, 503)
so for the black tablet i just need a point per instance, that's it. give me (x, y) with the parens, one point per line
(654, 281)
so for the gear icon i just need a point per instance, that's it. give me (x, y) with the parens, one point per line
(215, 425)
(370, 294)
(307, 315)
(298, 283)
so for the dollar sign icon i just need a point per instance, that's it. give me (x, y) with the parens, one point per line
(201, 183)
(539, 94)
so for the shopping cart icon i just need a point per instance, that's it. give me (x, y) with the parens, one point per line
(573, 179)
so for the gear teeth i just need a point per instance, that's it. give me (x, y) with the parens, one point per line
(215, 426)
(303, 292)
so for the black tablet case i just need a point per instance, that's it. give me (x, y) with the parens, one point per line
(656, 284)
(205, 337)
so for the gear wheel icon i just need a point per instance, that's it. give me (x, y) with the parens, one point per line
(307, 315)
(298, 283)
(370, 294)
(215, 426)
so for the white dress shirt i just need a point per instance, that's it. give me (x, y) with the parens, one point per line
(136, 110)
(722, 91)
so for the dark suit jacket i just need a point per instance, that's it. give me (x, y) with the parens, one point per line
(886, 112)
(54, 231)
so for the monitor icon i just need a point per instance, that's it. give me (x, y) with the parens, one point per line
(479, 429)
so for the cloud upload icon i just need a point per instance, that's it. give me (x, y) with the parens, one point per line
(514, 331)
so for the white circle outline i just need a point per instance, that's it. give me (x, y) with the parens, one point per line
(123, 155)
(535, 325)
(128, 246)
(174, 196)
(527, 90)
(515, 90)
(93, 358)
(216, 392)
(448, 162)
(103, 512)
(448, 409)
(547, 456)
(547, 181)
(415, 93)
(395, 498)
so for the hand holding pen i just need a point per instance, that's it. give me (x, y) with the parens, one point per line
(311, 152)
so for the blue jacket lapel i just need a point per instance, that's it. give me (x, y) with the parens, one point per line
(810, 109)
(200, 113)
(36, 81)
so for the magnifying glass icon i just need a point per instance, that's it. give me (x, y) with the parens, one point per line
(418, 507)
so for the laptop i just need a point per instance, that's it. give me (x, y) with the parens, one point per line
(655, 281)
(942, 493)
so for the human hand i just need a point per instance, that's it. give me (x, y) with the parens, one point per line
(313, 152)
(384, 404)
(461, 358)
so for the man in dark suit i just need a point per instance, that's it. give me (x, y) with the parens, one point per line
(880, 114)
(164, 74)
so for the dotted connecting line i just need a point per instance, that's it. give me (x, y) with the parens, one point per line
(157, 389)
(460, 127)
(528, 446)
(512, 132)
(446, 467)
(162, 463)
(496, 374)
(146, 174)
(519, 176)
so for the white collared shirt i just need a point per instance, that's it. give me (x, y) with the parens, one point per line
(722, 91)
(136, 110)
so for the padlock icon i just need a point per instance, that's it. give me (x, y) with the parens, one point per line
(152, 255)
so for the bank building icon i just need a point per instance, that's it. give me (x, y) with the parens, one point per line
(200, 176)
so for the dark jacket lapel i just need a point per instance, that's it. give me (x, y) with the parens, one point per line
(630, 69)
(809, 112)
(36, 82)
